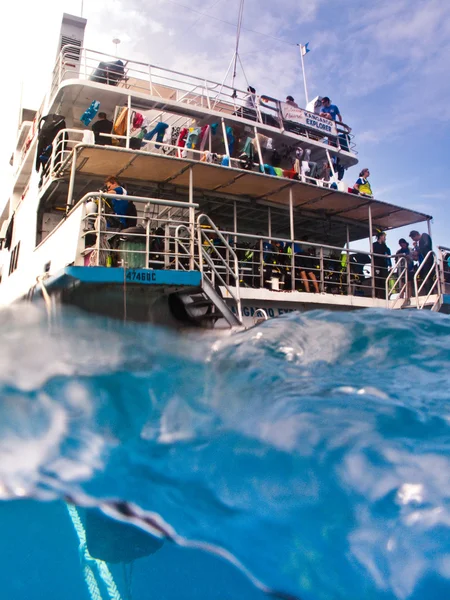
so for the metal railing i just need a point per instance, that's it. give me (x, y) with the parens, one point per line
(444, 268)
(267, 262)
(112, 240)
(68, 140)
(163, 234)
(397, 283)
(172, 86)
(222, 269)
(430, 283)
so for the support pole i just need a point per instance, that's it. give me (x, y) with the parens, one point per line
(371, 251)
(191, 220)
(225, 140)
(238, 37)
(292, 234)
(235, 223)
(72, 179)
(258, 147)
(147, 244)
(429, 227)
(291, 214)
(269, 222)
(322, 271)
(304, 74)
(128, 122)
(330, 162)
(348, 261)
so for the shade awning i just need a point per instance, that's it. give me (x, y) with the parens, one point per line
(140, 167)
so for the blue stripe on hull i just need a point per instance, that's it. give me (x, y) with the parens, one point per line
(115, 275)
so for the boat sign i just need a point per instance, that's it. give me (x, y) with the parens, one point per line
(308, 119)
(142, 276)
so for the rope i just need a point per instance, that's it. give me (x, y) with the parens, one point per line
(102, 568)
(231, 24)
(108, 579)
(91, 583)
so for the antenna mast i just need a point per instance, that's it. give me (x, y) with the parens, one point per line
(238, 37)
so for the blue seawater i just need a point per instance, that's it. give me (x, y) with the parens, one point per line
(308, 457)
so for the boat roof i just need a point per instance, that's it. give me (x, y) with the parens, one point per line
(73, 96)
(214, 181)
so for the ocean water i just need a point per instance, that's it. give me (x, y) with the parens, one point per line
(306, 458)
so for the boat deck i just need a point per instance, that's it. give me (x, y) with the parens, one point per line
(140, 168)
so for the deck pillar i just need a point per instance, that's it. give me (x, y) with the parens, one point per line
(191, 220)
(348, 261)
(225, 140)
(372, 269)
(72, 178)
(292, 234)
(128, 121)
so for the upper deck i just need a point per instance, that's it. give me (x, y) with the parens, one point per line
(80, 74)
(316, 204)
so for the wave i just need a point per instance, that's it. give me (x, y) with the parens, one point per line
(311, 451)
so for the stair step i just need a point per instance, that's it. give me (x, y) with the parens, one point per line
(200, 303)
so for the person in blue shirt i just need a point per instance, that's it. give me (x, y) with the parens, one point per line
(330, 111)
(120, 206)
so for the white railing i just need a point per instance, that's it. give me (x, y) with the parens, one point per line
(222, 269)
(110, 242)
(444, 268)
(162, 236)
(428, 276)
(68, 140)
(397, 283)
(173, 86)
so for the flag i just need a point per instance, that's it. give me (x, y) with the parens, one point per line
(304, 49)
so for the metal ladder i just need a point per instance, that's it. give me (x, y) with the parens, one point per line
(207, 304)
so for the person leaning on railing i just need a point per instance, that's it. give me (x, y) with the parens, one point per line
(362, 185)
(124, 209)
(330, 111)
(423, 245)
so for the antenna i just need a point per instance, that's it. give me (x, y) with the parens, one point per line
(116, 42)
(236, 57)
(238, 37)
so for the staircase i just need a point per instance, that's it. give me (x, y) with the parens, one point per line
(205, 305)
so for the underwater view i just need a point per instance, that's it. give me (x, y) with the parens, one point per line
(307, 458)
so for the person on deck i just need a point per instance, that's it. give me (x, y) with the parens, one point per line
(330, 111)
(123, 208)
(381, 264)
(103, 125)
(290, 100)
(405, 252)
(423, 245)
(249, 111)
(362, 185)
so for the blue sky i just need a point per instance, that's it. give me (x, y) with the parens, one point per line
(383, 62)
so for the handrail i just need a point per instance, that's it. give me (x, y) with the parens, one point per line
(418, 289)
(203, 254)
(139, 199)
(305, 243)
(402, 276)
(178, 242)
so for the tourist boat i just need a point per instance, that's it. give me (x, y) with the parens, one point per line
(238, 207)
